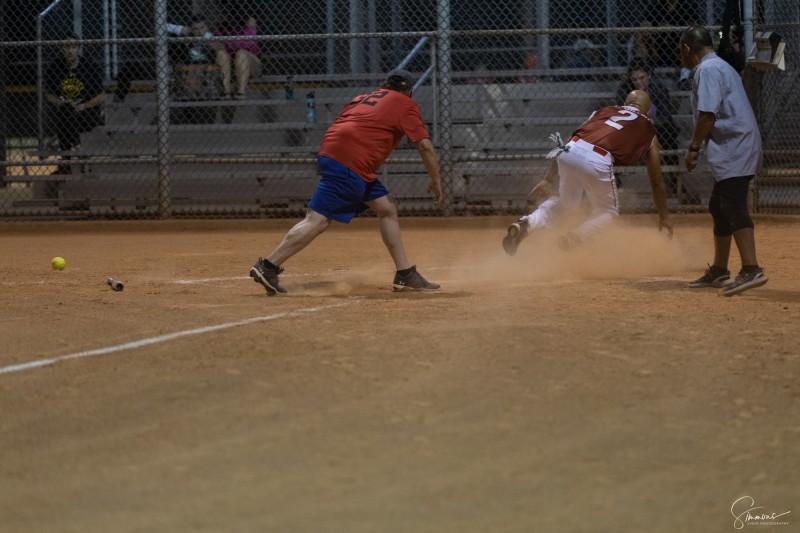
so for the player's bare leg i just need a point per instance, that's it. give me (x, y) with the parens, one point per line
(722, 251)
(717, 275)
(246, 65)
(224, 62)
(390, 230)
(406, 277)
(266, 272)
(751, 275)
(300, 236)
(746, 243)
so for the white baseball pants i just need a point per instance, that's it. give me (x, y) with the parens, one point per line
(581, 169)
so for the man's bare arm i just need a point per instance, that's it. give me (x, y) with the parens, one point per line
(544, 188)
(428, 154)
(653, 160)
(702, 128)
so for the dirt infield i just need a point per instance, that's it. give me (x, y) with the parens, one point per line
(588, 391)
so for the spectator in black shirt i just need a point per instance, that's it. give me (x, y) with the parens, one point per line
(74, 91)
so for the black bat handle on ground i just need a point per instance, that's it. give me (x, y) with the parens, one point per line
(115, 284)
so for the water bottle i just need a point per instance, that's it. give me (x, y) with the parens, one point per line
(289, 87)
(311, 108)
(115, 284)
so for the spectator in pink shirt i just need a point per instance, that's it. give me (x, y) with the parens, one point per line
(244, 56)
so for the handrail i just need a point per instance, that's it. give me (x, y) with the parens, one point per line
(423, 77)
(413, 52)
(406, 60)
(49, 8)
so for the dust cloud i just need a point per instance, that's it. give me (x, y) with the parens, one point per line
(623, 251)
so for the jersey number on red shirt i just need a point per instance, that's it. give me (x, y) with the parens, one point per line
(372, 99)
(624, 115)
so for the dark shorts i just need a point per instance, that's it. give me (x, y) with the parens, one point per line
(341, 193)
(728, 205)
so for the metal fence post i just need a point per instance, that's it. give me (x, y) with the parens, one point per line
(444, 98)
(162, 110)
(747, 23)
(3, 112)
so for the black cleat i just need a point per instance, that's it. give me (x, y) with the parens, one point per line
(412, 281)
(266, 274)
(516, 232)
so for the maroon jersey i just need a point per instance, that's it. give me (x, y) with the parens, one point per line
(621, 130)
(369, 127)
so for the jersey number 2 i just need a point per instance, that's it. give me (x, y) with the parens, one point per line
(373, 98)
(623, 116)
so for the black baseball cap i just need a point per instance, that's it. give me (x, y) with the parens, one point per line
(399, 80)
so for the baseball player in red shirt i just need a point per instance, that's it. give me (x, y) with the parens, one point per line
(353, 148)
(614, 135)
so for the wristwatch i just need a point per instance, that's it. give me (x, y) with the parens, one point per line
(693, 149)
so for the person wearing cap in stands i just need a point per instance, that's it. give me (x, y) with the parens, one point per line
(362, 137)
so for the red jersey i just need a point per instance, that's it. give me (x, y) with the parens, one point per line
(621, 130)
(368, 129)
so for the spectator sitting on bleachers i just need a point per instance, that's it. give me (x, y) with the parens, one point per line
(244, 56)
(74, 91)
(198, 52)
(146, 68)
(641, 76)
(196, 75)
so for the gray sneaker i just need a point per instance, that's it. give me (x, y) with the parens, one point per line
(266, 274)
(412, 281)
(714, 276)
(744, 281)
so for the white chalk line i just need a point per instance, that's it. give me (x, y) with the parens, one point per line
(208, 280)
(306, 275)
(162, 338)
(239, 278)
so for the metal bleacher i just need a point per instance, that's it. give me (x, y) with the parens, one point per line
(258, 155)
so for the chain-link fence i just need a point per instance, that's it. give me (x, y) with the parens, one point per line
(120, 108)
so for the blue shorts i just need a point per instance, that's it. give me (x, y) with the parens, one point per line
(341, 193)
